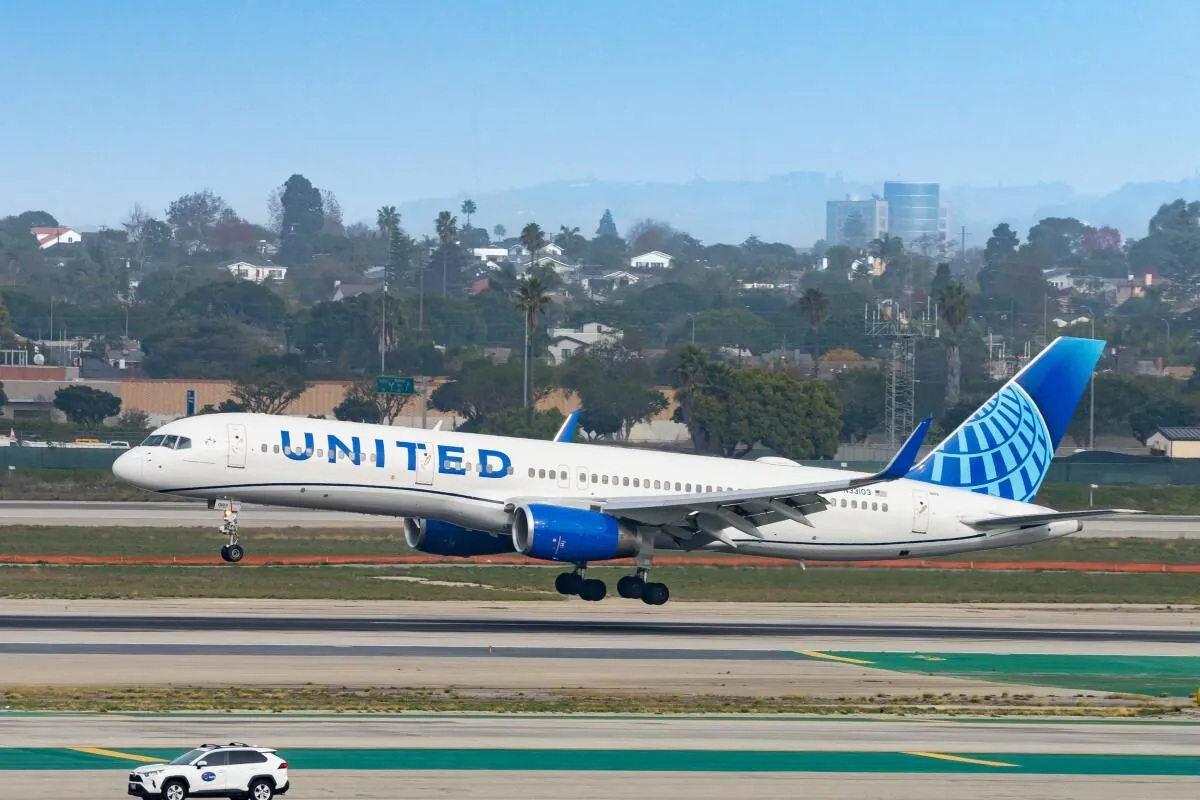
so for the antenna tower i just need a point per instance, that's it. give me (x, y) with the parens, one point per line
(901, 330)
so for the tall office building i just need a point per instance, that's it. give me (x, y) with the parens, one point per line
(914, 211)
(855, 222)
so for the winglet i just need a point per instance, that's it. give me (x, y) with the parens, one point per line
(567, 432)
(904, 459)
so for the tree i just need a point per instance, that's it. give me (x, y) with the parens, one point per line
(8, 337)
(363, 404)
(607, 227)
(615, 387)
(954, 304)
(248, 303)
(200, 348)
(86, 406)
(861, 392)
(533, 239)
(271, 384)
(482, 388)
(3, 396)
(388, 220)
(332, 211)
(500, 232)
(447, 228)
(572, 243)
(134, 420)
(531, 300)
(813, 305)
(303, 216)
(193, 216)
(468, 208)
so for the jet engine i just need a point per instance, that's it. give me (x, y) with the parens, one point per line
(555, 533)
(443, 539)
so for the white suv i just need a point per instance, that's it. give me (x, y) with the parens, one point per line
(235, 770)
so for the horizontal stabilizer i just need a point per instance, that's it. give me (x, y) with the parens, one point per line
(1033, 520)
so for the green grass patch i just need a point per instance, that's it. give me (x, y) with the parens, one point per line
(1153, 499)
(388, 540)
(1166, 676)
(732, 584)
(70, 484)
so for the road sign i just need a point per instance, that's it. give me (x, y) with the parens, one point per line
(388, 384)
(191, 402)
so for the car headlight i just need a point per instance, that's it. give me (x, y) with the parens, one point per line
(153, 772)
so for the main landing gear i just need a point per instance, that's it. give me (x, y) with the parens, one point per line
(232, 552)
(633, 587)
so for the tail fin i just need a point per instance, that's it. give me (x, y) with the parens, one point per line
(1005, 448)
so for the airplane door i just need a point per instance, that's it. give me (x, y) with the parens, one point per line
(920, 512)
(564, 477)
(237, 446)
(425, 465)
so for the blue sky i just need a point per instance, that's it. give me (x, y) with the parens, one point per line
(383, 102)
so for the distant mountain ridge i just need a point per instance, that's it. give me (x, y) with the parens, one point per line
(788, 208)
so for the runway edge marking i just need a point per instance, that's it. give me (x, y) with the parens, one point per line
(828, 657)
(99, 751)
(960, 759)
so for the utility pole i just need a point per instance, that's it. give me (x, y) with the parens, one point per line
(383, 330)
(963, 246)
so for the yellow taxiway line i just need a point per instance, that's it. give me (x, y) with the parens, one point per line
(99, 751)
(828, 657)
(960, 759)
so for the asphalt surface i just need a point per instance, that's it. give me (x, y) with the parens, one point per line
(567, 623)
(196, 514)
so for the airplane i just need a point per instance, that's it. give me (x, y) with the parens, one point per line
(463, 494)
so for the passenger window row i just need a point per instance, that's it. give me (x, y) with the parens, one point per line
(875, 506)
(619, 480)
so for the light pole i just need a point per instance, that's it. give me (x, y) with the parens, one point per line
(1092, 399)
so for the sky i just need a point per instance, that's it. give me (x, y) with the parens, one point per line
(385, 101)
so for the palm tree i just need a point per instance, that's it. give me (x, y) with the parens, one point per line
(954, 303)
(388, 220)
(814, 305)
(533, 239)
(469, 208)
(447, 229)
(530, 299)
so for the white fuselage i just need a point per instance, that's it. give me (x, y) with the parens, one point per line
(472, 480)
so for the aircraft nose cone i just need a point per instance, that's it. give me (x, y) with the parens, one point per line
(128, 467)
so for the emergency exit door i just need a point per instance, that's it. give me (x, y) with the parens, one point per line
(237, 446)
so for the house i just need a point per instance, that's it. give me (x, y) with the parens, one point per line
(256, 273)
(597, 286)
(564, 342)
(486, 254)
(48, 237)
(343, 290)
(559, 266)
(1175, 442)
(552, 250)
(651, 260)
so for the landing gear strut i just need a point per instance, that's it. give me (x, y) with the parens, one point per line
(233, 551)
(570, 583)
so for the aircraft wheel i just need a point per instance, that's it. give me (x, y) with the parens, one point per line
(631, 587)
(655, 594)
(593, 590)
(232, 553)
(568, 583)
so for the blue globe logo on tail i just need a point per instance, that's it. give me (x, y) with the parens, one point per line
(1003, 450)
(1006, 447)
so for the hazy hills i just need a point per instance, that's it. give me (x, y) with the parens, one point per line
(789, 208)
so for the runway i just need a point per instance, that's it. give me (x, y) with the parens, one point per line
(196, 514)
(519, 652)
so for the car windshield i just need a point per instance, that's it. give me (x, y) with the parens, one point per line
(188, 757)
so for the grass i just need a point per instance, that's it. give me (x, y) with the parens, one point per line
(1154, 499)
(388, 540)
(730, 584)
(394, 700)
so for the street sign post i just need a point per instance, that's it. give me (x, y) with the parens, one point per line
(191, 402)
(389, 384)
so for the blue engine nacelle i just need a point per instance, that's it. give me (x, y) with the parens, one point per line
(556, 533)
(443, 539)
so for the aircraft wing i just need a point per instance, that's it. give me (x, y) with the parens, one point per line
(682, 515)
(1034, 520)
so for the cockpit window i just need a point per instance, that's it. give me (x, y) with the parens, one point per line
(183, 444)
(169, 442)
(153, 441)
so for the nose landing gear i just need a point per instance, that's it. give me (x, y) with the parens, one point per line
(232, 552)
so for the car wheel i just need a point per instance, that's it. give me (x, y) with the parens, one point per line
(261, 790)
(174, 790)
